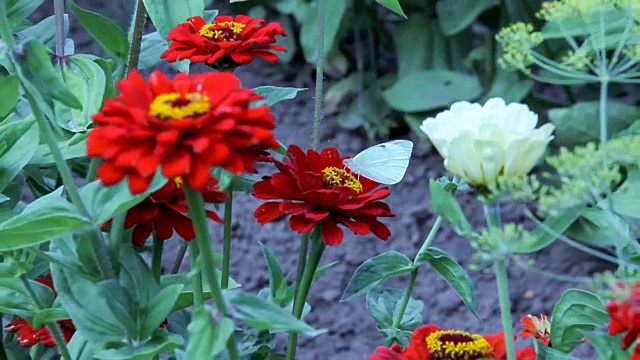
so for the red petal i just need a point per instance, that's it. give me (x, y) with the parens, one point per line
(331, 233)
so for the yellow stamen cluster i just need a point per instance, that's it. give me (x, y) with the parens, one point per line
(564, 9)
(458, 345)
(517, 40)
(334, 176)
(578, 60)
(223, 31)
(179, 106)
(179, 181)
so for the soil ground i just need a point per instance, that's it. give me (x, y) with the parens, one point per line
(352, 333)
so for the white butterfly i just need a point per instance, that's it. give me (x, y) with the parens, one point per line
(384, 163)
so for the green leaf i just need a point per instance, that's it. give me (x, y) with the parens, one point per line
(160, 343)
(580, 123)
(21, 10)
(42, 31)
(207, 338)
(431, 89)
(309, 27)
(420, 45)
(509, 87)
(373, 271)
(455, 15)
(392, 5)
(160, 307)
(446, 205)
(186, 297)
(577, 311)
(153, 45)
(15, 299)
(104, 30)
(72, 145)
(453, 274)
(383, 303)
(264, 315)
(274, 94)
(8, 94)
(548, 231)
(80, 348)
(626, 200)
(544, 352)
(609, 347)
(276, 274)
(166, 14)
(19, 138)
(45, 218)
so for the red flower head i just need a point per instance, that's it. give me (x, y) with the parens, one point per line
(28, 336)
(625, 315)
(226, 43)
(316, 187)
(186, 125)
(429, 342)
(165, 210)
(539, 328)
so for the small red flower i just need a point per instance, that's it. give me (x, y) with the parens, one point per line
(316, 187)
(186, 125)
(538, 328)
(28, 336)
(430, 342)
(165, 211)
(625, 315)
(226, 43)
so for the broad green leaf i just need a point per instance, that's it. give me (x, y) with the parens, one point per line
(8, 94)
(19, 138)
(455, 15)
(72, 145)
(392, 5)
(87, 80)
(186, 297)
(49, 314)
(373, 271)
(262, 314)
(430, 90)
(227, 179)
(21, 10)
(80, 348)
(609, 347)
(42, 31)
(580, 123)
(309, 27)
(276, 274)
(160, 343)
(453, 274)
(160, 307)
(508, 87)
(576, 312)
(626, 200)
(420, 45)
(544, 352)
(15, 299)
(44, 219)
(274, 94)
(548, 231)
(104, 30)
(383, 304)
(206, 337)
(166, 14)
(611, 21)
(153, 45)
(446, 205)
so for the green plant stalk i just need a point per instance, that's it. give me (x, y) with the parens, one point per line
(302, 263)
(179, 257)
(3, 353)
(92, 171)
(198, 296)
(5, 30)
(226, 245)
(58, 13)
(52, 325)
(318, 109)
(115, 235)
(490, 44)
(197, 215)
(494, 219)
(317, 249)
(156, 256)
(135, 36)
(604, 131)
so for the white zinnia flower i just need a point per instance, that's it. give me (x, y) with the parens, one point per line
(480, 143)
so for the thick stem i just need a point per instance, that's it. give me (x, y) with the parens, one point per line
(179, 257)
(197, 215)
(317, 249)
(52, 325)
(156, 257)
(604, 89)
(135, 36)
(226, 246)
(302, 263)
(198, 297)
(58, 13)
(318, 110)
(3, 353)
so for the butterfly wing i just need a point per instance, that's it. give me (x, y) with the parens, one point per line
(384, 163)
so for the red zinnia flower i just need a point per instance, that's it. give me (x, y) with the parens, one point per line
(316, 187)
(430, 342)
(186, 125)
(538, 328)
(28, 336)
(165, 210)
(226, 43)
(625, 316)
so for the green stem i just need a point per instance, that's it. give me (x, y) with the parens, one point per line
(317, 249)
(58, 13)
(115, 234)
(52, 325)
(3, 353)
(92, 171)
(197, 215)
(156, 257)
(135, 36)
(179, 257)
(302, 263)
(198, 297)
(226, 246)
(5, 30)
(490, 60)
(318, 110)
(604, 89)
(494, 219)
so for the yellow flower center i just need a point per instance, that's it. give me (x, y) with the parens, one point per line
(334, 176)
(223, 31)
(178, 181)
(179, 106)
(457, 345)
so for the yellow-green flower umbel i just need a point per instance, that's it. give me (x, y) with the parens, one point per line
(481, 143)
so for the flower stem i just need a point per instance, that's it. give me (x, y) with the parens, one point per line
(156, 257)
(604, 89)
(135, 35)
(302, 262)
(198, 297)
(115, 234)
(92, 171)
(317, 249)
(58, 13)
(179, 257)
(318, 110)
(226, 246)
(494, 219)
(52, 325)
(197, 215)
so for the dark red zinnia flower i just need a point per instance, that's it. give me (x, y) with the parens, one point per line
(539, 328)
(624, 310)
(431, 342)
(227, 42)
(166, 210)
(186, 125)
(28, 336)
(316, 187)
